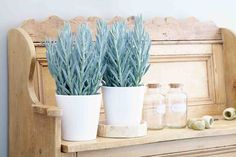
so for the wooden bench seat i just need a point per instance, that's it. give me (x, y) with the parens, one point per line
(198, 54)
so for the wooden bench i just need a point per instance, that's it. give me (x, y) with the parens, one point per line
(197, 54)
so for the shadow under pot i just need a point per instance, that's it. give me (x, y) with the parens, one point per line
(123, 105)
(80, 116)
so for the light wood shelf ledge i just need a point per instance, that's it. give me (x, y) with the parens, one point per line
(221, 127)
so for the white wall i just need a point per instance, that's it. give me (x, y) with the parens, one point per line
(13, 12)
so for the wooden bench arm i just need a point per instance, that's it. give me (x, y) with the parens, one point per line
(51, 111)
(30, 134)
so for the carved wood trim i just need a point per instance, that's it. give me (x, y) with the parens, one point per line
(167, 29)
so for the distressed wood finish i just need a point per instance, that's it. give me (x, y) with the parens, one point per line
(185, 51)
(158, 28)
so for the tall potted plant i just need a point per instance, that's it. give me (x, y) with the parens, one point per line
(127, 62)
(76, 64)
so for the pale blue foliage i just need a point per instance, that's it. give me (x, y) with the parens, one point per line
(75, 61)
(139, 44)
(127, 55)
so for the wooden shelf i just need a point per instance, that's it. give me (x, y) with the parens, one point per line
(221, 127)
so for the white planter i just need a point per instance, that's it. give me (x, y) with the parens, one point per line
(80, 116)
(123, 105)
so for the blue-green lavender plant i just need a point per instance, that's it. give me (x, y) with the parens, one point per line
(75, 61)
(127, 55)
(139, 44)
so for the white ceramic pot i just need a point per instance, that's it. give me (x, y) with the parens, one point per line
(123, 105)
(80, 116)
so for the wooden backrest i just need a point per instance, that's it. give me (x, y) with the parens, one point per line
(185, 51)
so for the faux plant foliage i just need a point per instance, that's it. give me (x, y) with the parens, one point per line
(76, 62)
(139, 44)
(127, 55)
(117, 71)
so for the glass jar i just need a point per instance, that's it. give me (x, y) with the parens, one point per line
(154, 111)
(176, 103)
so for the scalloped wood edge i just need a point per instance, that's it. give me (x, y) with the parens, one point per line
(159, 28)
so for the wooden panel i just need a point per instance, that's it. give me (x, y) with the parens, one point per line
(221, 128)
(173, 62)
(198, 147)
(159, 28)
(170, 62)
(187, 61)
(229, 47)
(30, 134)
(181, 63)
(182, 72)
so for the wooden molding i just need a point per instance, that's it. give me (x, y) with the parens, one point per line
(167, 29)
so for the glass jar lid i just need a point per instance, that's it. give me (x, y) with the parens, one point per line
(175, 85)
(154, 85)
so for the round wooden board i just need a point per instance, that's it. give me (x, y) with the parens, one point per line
(122, 131)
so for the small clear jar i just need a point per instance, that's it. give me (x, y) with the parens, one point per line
(176, 103)
(154, 107)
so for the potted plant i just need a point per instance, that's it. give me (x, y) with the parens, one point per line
(127, 62)
(76, 64)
